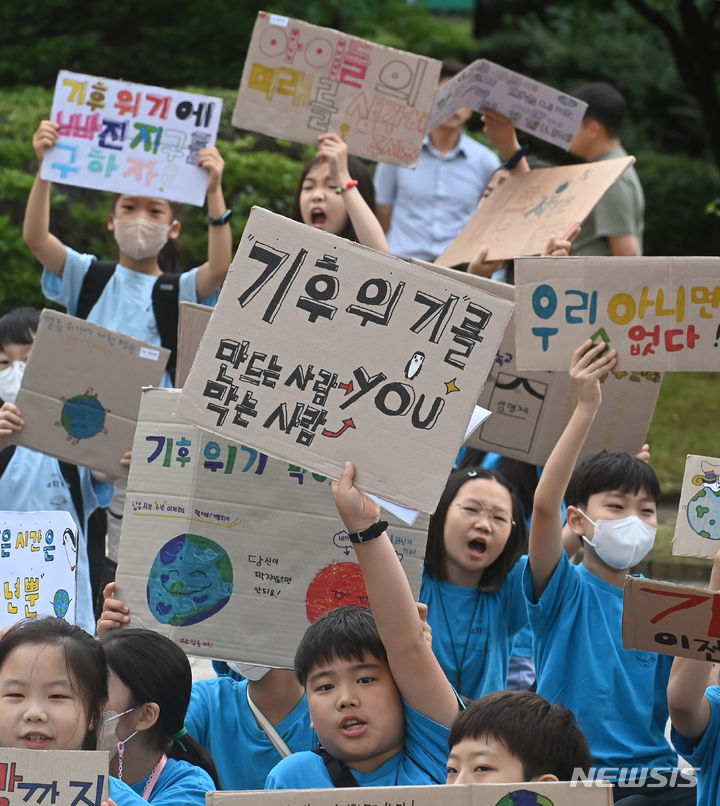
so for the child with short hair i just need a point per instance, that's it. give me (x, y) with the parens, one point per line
(694, 700)
(512, 736)
(618, 695)
(379, 701)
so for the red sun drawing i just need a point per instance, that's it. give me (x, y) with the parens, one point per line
(335, 585)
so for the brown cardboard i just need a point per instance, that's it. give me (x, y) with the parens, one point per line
(659, 313)
(671, 619)
(697, 530)
(191, 325)
(279, 553)
(405, 351)
(53, 776)
(80, 393)
(301, 80)
(521, 215)
(558, 793)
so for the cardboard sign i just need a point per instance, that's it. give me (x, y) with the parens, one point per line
(301, 80)
(533, 107)
(321, 350)
(192, 322)
(659, 313)
(230, 553)
(671, 619)
(80, 393)
(38, 558)
(130, 138)
(559, 793)
(53, 776)
(521, 215)
(697, 530)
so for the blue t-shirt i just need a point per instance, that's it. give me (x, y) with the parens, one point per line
(33, 482)
(180, 784)
(125, 303)
(619, 696)
(703, 753)
(219, 717)
(122, 794)
(433, 202)
(486, 623)
(422, 761)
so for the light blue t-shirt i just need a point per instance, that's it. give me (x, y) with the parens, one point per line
(219, 717)
(703, 753)
(485, 623)
(33, 482)
(433, 202)
(180, 784)
(125, 303)
(422, 761)
(619, 696)
(122, 794)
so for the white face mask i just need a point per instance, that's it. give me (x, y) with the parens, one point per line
(139, 238)
(253, 673)
(622, 543)
(10, 380)
(108, 738)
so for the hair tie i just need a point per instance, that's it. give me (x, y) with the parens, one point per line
(178, 735)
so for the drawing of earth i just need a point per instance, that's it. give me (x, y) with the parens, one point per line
(335, 585)
(703, 513)
(190, 580)
(61, 602)
(524, 797)
(83, 416)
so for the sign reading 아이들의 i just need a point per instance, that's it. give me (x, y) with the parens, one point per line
(230, 553)
(521, 215)
(671, 619)
(697, 531)
(321, 351)
(533, 107)
(659, 313)
(130, 138)
(38, 557)
(53, 776)
(80, 393)
(300, 81)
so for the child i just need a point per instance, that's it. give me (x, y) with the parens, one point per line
(220, 708)
(512, 736)
(141, 226)
(149, 691)
(31, 481)
(379, 701)
(53, 687)
(695, 713)
(617, 695)
(472, 583)
(336, 194)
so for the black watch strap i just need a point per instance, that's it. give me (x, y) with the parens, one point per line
(218, 222)
(516, 157)
(373, 531)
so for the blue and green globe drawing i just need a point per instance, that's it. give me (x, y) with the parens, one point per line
(61, 602)
(83, 416)
(703, 513)
(524, 797)
(190, 580)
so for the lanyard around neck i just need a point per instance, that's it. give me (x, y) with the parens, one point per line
(150, 785)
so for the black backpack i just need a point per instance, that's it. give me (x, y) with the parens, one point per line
(165, 300)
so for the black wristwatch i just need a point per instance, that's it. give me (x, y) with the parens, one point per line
(373, 531)
(516, 157)
(218, 222)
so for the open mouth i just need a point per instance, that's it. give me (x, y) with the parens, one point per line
(36, 740)
(352, 726)
(317, 217)
(478, 546)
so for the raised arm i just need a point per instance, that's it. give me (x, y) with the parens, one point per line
(48, 249)
(366, 225)
(689, 707)
(418, 676)
(212, 274)
(500, 131)
(546, 528)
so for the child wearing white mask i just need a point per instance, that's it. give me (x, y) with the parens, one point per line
(575, 612)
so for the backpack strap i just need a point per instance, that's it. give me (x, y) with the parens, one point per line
(339, 772)
(96, 278)
(6, 454)
(71, 474)
(166, 301)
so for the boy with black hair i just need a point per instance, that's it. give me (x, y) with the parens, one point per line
(511, 736)
(618, 695)
(378, 699)
(615, 225)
